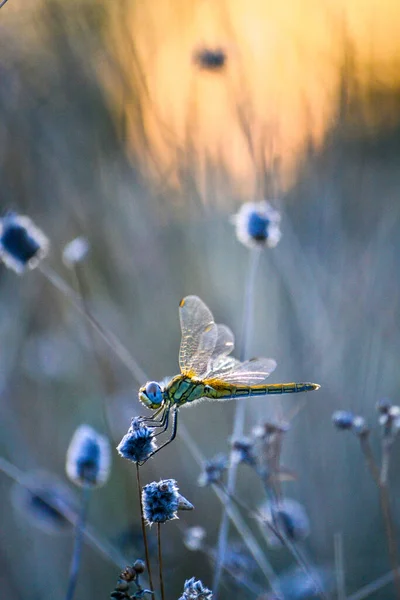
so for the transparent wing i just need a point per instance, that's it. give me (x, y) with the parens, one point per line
(250, 372)
(199, 336)
(224, 344)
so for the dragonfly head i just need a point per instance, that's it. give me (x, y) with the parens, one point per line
(151, 395)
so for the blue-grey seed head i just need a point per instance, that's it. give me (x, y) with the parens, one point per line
(160, 501)
(22, 244)
(138, 443)
(343, 419)
(213, 470)
(88, 458)
(194, 589)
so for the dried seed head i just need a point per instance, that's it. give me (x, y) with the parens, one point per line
(195, 590)
(161, 501)
(22, 244)
(194, 537)
(75, 251)
(257, 225)
(88, 458)
(213, 470)
(138, 443)
(343, 419)
(290, 518)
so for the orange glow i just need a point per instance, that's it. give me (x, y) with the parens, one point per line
(284, 65)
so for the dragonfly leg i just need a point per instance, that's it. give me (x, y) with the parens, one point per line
(152, 418)
(172, 437)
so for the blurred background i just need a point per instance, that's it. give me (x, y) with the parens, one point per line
(143, 126)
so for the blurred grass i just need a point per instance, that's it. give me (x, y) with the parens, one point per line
(79, 159)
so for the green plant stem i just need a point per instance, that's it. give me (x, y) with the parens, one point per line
(144, 532)
(160, 566)
(78, 544)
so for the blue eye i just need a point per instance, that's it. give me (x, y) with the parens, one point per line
(153, 392)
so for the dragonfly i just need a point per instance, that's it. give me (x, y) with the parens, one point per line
(207, 371)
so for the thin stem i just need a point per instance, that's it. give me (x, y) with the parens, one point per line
(372, 587)
(78, 544)
(111, 340)
(339, 566)
(3, 3)
(240, 411)
(380, 479)
(83, 294)
(144, 532)
(160, 568)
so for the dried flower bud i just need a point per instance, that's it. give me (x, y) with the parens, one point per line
(360, 427)
(213, 470)
(88, 458)
(290, 518)
(383, 405)
(22, 244)
(210, 59)
(138, 443)
(343, 419)
(243, 451)
(75, 251)
(139, 566)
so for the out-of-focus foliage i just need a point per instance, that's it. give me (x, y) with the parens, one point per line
(109, 130)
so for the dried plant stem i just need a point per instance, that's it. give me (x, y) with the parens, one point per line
(372, 587)
(380, 479)
(110, 339)
(160, 567)
(144, 532)
(239, 418)
(339, 566)
(78, 544)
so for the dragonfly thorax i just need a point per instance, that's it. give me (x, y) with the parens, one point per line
(151, 395)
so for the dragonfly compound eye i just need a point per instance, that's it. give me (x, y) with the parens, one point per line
(152, 395)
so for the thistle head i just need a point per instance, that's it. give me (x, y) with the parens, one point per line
(88, 458)
(22, 244)
(257, 225)
(151, 395)
(138, 443)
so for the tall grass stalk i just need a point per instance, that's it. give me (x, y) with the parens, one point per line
(240, 412)
(78, 544)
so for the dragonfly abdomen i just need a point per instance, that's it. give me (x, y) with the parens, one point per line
(273, 388)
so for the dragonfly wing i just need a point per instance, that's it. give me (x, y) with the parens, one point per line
(199, 336)
(224, 344)
(250, 372)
